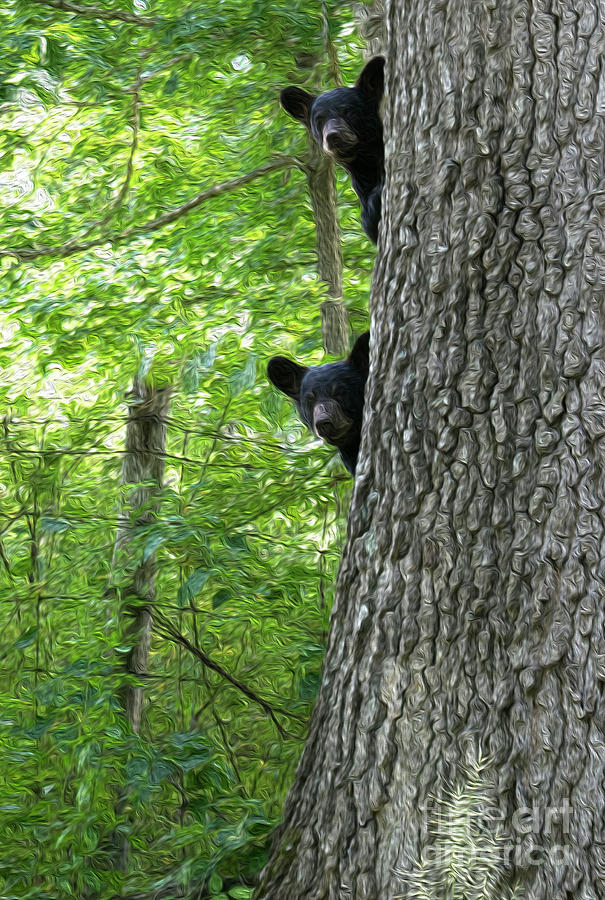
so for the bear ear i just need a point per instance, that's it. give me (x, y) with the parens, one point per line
(359, 357)
(298, 103)
(286, 375)
(371, 80)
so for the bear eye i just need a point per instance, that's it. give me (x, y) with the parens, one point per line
(310, 398)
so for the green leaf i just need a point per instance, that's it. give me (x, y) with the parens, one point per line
(26, 638)
(215, 883)
(40, 727)
(308, 686)
(194, 370)
(171, 84)
(221, 597)
(193, 585)
(151, 544)
(243, 379)
(237, 542)
(54, 525)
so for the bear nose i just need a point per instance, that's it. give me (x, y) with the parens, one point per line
(338, 137)
(329, 421)
(331, 138)
(337, 140)
(325, 429)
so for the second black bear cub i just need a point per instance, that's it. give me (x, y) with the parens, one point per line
(329, 398)
(346, 123)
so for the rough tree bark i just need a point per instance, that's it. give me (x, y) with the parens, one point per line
(143, 465)
(371, 22)
(468, 627)
(322, 190)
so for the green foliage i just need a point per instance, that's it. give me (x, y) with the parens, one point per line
(108, 125)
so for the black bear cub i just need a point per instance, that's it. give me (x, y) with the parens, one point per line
(329, 398)
(346, 123)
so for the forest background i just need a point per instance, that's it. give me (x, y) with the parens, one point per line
(118, 267)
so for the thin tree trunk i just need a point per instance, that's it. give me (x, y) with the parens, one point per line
(143, 465)
(467, 641)
(322, 189)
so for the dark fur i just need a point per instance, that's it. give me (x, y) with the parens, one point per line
(329, 398)
(346, 124)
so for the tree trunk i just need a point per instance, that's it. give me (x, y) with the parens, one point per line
(144, 466)
(322, 190)
(465, 666)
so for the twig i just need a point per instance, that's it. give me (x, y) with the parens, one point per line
(182, 57)
(136, 121)
(95, 12)
(60, 251)
(166, 630)
(329, 47)
(6, 563)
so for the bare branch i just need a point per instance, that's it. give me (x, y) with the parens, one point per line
(36, 103)
(182, 57)
(164, 628)
(136, 122)
(60, 251)
(330, 47)
(5, 561)
(95, 12)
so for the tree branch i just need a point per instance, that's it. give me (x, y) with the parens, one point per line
(136, 122)
(165, 629)
(329, 46)
(95, 12)
(182, 57)
(60, 251)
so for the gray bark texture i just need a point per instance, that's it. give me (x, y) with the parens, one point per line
(371, 24)
(466, 659)
(322, 190)
(143, 465)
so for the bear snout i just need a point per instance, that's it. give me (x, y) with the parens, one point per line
(329, 422)
(338, 139)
